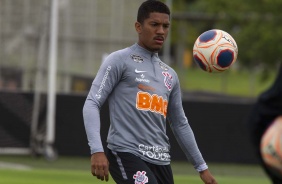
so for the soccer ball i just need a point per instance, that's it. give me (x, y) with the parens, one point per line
(271, 147)
(215, 51)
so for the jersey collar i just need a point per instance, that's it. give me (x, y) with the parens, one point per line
(144, 52)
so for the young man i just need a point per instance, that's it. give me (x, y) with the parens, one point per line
(143, 93)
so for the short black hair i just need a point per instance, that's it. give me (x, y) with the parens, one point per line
(151, 6)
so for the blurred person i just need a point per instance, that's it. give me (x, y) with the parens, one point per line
(267, 108)
(143, 94)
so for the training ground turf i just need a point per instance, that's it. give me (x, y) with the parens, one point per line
(76, 170)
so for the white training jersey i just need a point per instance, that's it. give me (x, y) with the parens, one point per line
(143, 93)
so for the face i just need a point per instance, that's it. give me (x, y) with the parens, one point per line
(153, 32)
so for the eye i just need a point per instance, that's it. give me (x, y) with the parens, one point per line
(166, 26)
(154, 24)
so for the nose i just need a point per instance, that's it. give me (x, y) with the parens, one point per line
(160, 30)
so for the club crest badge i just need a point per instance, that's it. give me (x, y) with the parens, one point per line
(136, 58)
(140, 177)
(167, 80)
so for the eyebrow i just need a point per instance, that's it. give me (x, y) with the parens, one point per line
(154, 21)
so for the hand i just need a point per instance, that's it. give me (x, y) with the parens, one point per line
(100, 166)
(207, 177)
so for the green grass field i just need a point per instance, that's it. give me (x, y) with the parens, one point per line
(231, 82)
(76, 170)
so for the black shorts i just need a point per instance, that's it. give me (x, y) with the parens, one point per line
(126, 168)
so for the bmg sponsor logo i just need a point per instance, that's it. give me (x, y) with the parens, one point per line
(154, 103)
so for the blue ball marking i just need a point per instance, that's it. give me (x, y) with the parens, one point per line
(199, 62)
(207, 36)
(225, 58)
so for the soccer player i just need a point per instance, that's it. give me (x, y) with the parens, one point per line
(267, 108)
(143, 94)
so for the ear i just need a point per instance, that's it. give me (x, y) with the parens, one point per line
(138, 27)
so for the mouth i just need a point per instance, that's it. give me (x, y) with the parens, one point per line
(159, 40)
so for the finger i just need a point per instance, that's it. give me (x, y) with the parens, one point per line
(93, 171)
(98, 175)
(102, 175)
(106, 172)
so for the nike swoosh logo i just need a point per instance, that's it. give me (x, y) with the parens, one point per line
(138, 71)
